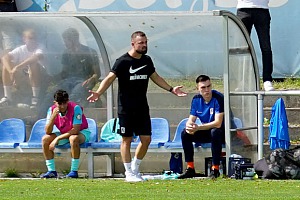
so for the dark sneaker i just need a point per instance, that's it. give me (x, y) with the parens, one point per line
(72, 174)
(50, 174)
(189, 173)
(214, 174)
(4, 102)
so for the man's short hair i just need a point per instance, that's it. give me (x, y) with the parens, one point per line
(202, 78)
(137, 33)
(61, 96)
(71, 34)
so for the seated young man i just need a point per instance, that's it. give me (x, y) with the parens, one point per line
(208, 106)
(72, 127)
(25, 60)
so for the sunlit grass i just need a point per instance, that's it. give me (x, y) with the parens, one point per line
(152, 189)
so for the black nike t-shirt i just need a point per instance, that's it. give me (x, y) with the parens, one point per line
(133, 78)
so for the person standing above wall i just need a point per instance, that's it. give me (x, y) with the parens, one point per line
(256, 13)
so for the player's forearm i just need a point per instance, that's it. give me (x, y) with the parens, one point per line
(31, 60)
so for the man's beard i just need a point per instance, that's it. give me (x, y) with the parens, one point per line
(143, 52)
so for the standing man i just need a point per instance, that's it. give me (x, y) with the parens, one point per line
(133, 70)
(208, 106)
(72, 128)
(256, 12)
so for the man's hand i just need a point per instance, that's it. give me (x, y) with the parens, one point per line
(177, 91)
(53, 144)
(55, 112)
(93, 97)
(191, 128)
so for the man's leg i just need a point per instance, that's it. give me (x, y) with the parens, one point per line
(7, 86)
(75, 141)
(262, 26)
(244, 14)
(188, 148)
(49, 156)
(35, 81)
(140, 153)
(217, 138)
(126, 158)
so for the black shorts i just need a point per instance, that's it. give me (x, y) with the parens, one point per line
(134, 124)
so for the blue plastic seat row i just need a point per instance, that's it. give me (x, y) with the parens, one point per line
(13, 134)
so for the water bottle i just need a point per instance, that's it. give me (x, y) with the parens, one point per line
(208, 168)
(221, 169)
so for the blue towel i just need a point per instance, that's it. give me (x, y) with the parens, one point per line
(279, 131)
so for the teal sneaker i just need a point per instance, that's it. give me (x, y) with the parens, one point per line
(50, 174)
(169, 175)
(72, 174)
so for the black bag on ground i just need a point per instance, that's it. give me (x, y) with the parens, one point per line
(175, 163)
(282, 164)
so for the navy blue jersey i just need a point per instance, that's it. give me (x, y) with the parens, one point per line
(206, 111)
(133, 78)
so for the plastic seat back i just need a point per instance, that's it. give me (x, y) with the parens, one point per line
(12, 131)
(37, 131)
(94, 130)
(160, 131)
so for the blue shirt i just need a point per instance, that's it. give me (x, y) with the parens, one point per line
(206, 111)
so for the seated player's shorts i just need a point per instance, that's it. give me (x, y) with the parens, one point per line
(134, 124)
(85, 132)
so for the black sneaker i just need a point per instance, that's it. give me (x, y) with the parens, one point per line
(214, 174)
(189, 173)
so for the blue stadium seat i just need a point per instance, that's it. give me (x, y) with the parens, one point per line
(35, 138)
(12, 132)
(176, 142)
(160, 133)
(38, 131)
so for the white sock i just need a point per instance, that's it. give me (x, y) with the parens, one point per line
(36, 91)
(135, 164)
(7, 92)
(127, 167)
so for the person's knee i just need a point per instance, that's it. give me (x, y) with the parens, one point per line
(74, 140)
(145, 140)
(126, 141)
(47, 139)
(217, 134)
(184, 135)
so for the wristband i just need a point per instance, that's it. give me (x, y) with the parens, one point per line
(171, 89)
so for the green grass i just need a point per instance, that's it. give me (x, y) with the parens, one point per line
(152, 189)
(189, 84)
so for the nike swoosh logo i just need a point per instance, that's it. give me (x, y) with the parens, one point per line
(131, 71)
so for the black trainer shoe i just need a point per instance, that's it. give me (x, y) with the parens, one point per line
(214, 174)
(189, 173)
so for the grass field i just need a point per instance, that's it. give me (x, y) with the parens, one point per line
(152, 189)
(189, 84)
